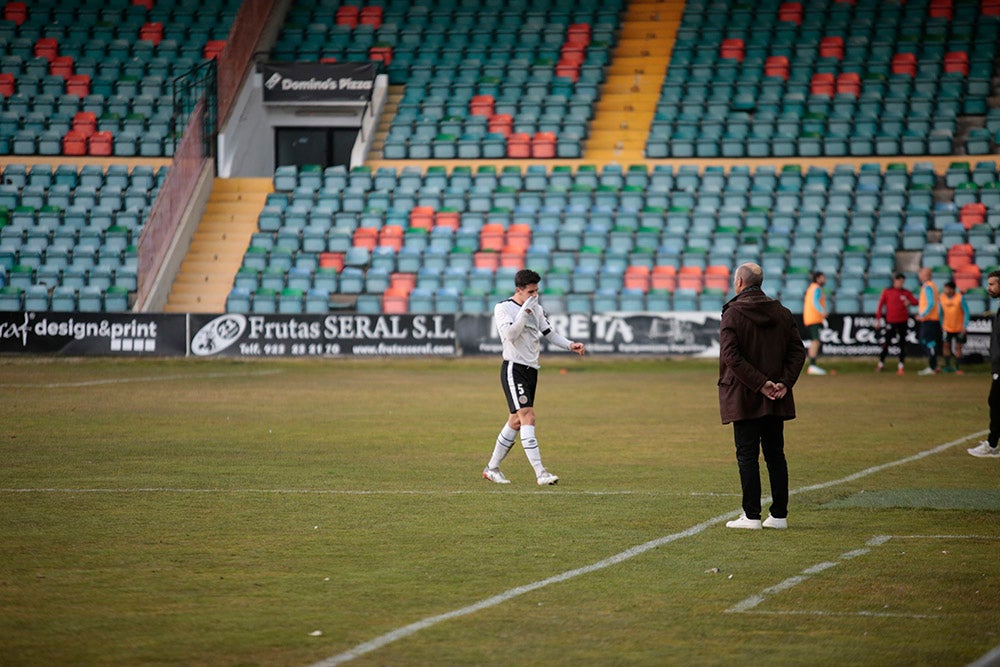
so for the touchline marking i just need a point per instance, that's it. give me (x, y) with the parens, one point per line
(413, 628)
(156, 378)
(747, 606)
(873, 614)
(348, 492)
(754, 600)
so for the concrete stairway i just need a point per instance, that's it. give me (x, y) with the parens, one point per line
(218, 246)
(628, 100)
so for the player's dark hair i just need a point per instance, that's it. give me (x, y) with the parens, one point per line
(526, 277)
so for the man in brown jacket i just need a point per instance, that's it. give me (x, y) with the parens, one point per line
(760, 358)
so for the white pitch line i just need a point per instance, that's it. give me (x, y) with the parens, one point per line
(413, 628)
(747, 605)
(355, 492)
(754, 600)
(155, 378)
(872, 614)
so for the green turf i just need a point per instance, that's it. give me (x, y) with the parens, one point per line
(953, 499)
(222, 512)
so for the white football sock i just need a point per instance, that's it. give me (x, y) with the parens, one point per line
(504, 442)
(530, 444)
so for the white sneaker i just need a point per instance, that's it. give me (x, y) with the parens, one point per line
(927, 371)
(983, 450)
(771, 522)
(495, 476)
(744, 522)
(879, 366)
(816, 370)
(547, 479)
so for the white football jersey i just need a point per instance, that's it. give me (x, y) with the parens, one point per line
(524, 348)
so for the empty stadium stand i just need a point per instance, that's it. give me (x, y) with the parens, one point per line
(632, 153)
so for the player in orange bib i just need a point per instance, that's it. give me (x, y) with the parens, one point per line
(954, 320)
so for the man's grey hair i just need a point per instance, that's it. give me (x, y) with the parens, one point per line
(751, 274)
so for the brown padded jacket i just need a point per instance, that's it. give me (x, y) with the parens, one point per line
(758, 341)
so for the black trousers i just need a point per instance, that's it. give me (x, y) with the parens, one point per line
(994, 402)
(894, 333)
(752, 436)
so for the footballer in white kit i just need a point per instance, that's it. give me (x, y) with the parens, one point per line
(521, 323)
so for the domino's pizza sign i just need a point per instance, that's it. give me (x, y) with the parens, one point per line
(318, 83)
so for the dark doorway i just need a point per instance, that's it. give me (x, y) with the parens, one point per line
(325, 146)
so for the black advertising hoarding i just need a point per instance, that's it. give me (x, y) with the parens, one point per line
(681, 334)
(360, 335)
(93, 334)
(318, 82)
(347, 334)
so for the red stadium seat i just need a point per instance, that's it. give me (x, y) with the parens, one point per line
(78, 84)
(7, 84)
(422, 217)
(74, 143)
(519, 145)
(776, 66)
(85, 122)
(486, 259)
(391, 236)
(365, 237)
(47, 47)
(519, 235)
(492, 236)
(395, 301)
(404, 282)
(100, 144)
(213, 48)
(15, 12)
(448, 219)
(957, 61)
(822, 83)
(691, 277)
(904, 63)
(482, 105)
(972, 214)
(512, 257)
(543, 145)
(381, 54)
(637, 276)
(371, 15)
(733, 49)
(151, 32)
(663, 277)
(61, 66)
(967, 276)
(716, 276)
(331, 260)
(832, 47)
(790, 12)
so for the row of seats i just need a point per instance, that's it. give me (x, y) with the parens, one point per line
(468, 301)
(68, 235)
(550, 54)
(831, 79)
(377, 223)
(117, 63)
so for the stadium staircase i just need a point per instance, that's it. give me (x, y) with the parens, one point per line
(218, 246)
(635, 74)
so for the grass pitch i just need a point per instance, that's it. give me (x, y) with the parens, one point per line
(291, 512)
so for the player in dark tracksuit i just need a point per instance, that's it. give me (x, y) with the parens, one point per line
(989, 448)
